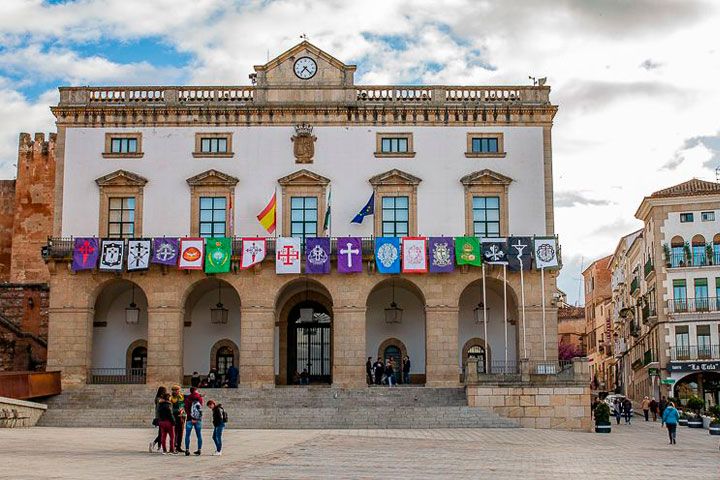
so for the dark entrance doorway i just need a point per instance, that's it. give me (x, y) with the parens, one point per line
(138, 358)
(309, 343)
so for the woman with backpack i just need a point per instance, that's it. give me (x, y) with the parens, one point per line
(220, 418)
(158, 396)
(193, 410)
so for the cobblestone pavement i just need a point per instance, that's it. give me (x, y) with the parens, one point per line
(639, 451)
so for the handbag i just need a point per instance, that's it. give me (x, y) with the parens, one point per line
(155, 422)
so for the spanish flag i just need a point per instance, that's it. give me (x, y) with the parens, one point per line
(267, 216)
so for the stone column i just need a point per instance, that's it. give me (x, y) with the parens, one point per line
(348, 362)
(70, 343)
(257, 346)
(441, 346)
(165, 345)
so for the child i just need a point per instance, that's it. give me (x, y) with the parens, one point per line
(219, 419)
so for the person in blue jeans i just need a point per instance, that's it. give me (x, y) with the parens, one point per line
(193, 410)
(670, 418)
(219, 418)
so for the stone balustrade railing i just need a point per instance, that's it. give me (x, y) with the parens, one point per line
(370, 95)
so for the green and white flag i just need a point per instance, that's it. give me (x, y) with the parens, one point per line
(467, 251)
(326, 223)
(218, 251)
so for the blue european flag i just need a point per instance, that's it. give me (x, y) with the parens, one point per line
(368, 209)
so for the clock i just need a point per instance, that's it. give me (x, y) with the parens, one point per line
(305, 68)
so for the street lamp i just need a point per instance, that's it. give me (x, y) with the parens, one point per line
(393, 314)
(132, 312)
(219, 314)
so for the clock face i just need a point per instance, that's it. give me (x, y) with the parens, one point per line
(305, 67)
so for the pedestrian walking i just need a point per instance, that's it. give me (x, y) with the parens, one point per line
(627, 410)
(158, 396)
(406, 370)
(617, 410)
(654, 409)
(670, 418)
(177, 399)
(661, 409)
(193, 411)
(390, 373)
(645, 405)
(368, 371)
(166, 422)
(379, 371)
(219, 420)
(232, 376)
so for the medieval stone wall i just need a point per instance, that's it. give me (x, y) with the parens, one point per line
(7, 217)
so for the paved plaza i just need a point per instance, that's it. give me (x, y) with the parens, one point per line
(639, 451)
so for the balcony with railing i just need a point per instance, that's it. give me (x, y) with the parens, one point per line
(648, 268)
(680, 260)
(695, 352)
(694, 305)
(648, 311)
(634, 285)
(116, 376)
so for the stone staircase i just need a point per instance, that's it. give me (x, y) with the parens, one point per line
(282, 407)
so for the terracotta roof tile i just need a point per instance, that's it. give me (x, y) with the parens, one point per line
(689, 188)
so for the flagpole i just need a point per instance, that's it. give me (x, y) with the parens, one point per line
(522, 299)
(276, 215)
(542, 282)
(485, 320)
(505, 314)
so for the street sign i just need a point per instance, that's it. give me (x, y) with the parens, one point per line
(654, 372)
(667, 381)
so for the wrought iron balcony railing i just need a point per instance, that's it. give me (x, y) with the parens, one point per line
(116, 376)
(694, 305)
(634, 285)
(695, 352)
(648, 268)
(678, 260)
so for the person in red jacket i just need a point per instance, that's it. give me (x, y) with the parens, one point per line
(194, 411)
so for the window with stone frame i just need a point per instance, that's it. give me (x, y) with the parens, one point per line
(212, 196)
(395, 216)
(213, 216)
(485, 145)
(121, 217)
(395, 203)
(486, 216)
(123, 145)
(303, 217)
(304, 203)
(121, 204)
(486, 203)
(389, 144)
(213, 144)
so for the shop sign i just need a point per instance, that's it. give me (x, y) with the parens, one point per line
(654, 372)
(667, 381)
(694, 366)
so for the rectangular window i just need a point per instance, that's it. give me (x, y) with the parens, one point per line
(395, 216)
(698, 255)
(677, 256)
(703, 342)
(121, 217)
(213, 217)
(394, 145)
(303, 217)
(213, 145)
(682, 343)
(679, 296)
(701, 295)
(686, 217)
(707, 216)
(486, 216)
(123, 145)
(485, 145)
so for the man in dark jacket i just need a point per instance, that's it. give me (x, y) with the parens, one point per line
(232, 374)
(368, 371)
(219, 416)
(406, 370)
(193, 411)
(379, 371)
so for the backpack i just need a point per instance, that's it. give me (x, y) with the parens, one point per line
(196, 411)
(223, 415)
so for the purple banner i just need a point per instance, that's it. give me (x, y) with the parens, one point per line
(442, 254)
(349, 254)
(317, 255)
(165, 251)
(86, 252)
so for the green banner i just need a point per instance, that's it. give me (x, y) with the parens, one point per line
(467, 251)
(217, 255)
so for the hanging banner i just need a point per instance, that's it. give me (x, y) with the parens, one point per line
(495, 251)
(442, 254)
(287, 255)
(387, 254)
(317, 255)
(218, 251)
(191, 253)
(467, 251)
(349, 254)
(138, 257)
(111, 255)
(414, 255)
(165, 251)
(519, 253)
(85, 254)
(545, 250)
(253, 252)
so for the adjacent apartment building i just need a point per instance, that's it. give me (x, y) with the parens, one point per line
(598, 327)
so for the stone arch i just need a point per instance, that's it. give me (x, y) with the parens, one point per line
(476, 342)
(131, 348)
(677, 241)
(698, 241)
(225, 342)
(189, 288)
(399, 282)
(392, 342)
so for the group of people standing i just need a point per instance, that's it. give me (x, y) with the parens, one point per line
(214, 379)
(175, 412)
(666, 411)
(385, 373)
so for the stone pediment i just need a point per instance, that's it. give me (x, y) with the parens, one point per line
(485, 177)
(395, 177)
(121, 178)
(212, 178)
(303, 177)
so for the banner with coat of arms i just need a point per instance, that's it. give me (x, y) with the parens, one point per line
(138, 254)
(111, 255)
(519, 253)
(467, 251)
(414, 255)
(218, 251)
(495, 251)
(166, 251)
(387, 254)
(545, 250)
(287, 255)
(442, 254)
(253, 252)
(191, 253)
(86, 253)
(317, 255)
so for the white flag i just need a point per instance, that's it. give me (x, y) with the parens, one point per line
(287, 255)
(191, 253)
(111, 255)
(253, 252)
(545, 249)
(414, 255)
(138, 257)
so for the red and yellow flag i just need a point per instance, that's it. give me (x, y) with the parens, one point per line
(267, 216)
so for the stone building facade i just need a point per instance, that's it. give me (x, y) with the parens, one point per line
(440, 161)
(598, 328)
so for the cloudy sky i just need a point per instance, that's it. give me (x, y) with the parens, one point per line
(636, 80)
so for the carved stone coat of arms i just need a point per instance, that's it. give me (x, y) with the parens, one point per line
(303, 143)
